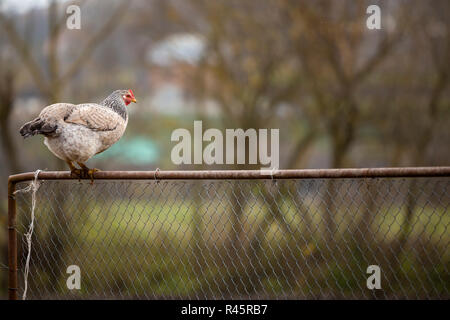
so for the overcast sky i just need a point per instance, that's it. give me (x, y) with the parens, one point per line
(21, 5)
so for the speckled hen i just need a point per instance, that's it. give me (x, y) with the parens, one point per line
(75, 133)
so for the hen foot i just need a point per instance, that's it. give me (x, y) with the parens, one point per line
(88, 173)
(74, 171)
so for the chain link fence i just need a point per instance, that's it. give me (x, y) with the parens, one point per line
(311, 238)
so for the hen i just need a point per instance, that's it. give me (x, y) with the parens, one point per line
(75, 133)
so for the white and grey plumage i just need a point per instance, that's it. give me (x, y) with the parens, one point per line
(75, 133)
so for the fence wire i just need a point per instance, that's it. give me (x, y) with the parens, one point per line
(238, 239)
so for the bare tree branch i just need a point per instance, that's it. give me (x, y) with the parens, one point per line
(104, 31)
(24, 51)
(383, 50)
(63, 20)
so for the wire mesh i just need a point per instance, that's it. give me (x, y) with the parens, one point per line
(238, 239)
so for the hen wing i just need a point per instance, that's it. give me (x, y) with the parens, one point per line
(94, 117)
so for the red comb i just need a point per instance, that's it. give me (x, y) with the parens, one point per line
(131, 92)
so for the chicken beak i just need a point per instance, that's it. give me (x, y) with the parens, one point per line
(134, 100)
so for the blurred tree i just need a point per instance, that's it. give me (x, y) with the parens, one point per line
(52, 86)
(420, 119)
(318, 57)
(9, 152)
(249, 74)
(7, 95)
(331, 39)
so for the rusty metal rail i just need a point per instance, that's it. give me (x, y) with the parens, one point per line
(196, 175)
(245, 174)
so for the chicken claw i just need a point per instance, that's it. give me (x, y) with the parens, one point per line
(74, 171)
(88, 173)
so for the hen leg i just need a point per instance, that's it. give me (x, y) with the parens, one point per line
(88, 172)
(74, 170)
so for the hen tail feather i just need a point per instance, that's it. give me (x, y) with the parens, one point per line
(37, 126)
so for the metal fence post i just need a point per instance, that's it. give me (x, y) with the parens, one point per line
(12, 243)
